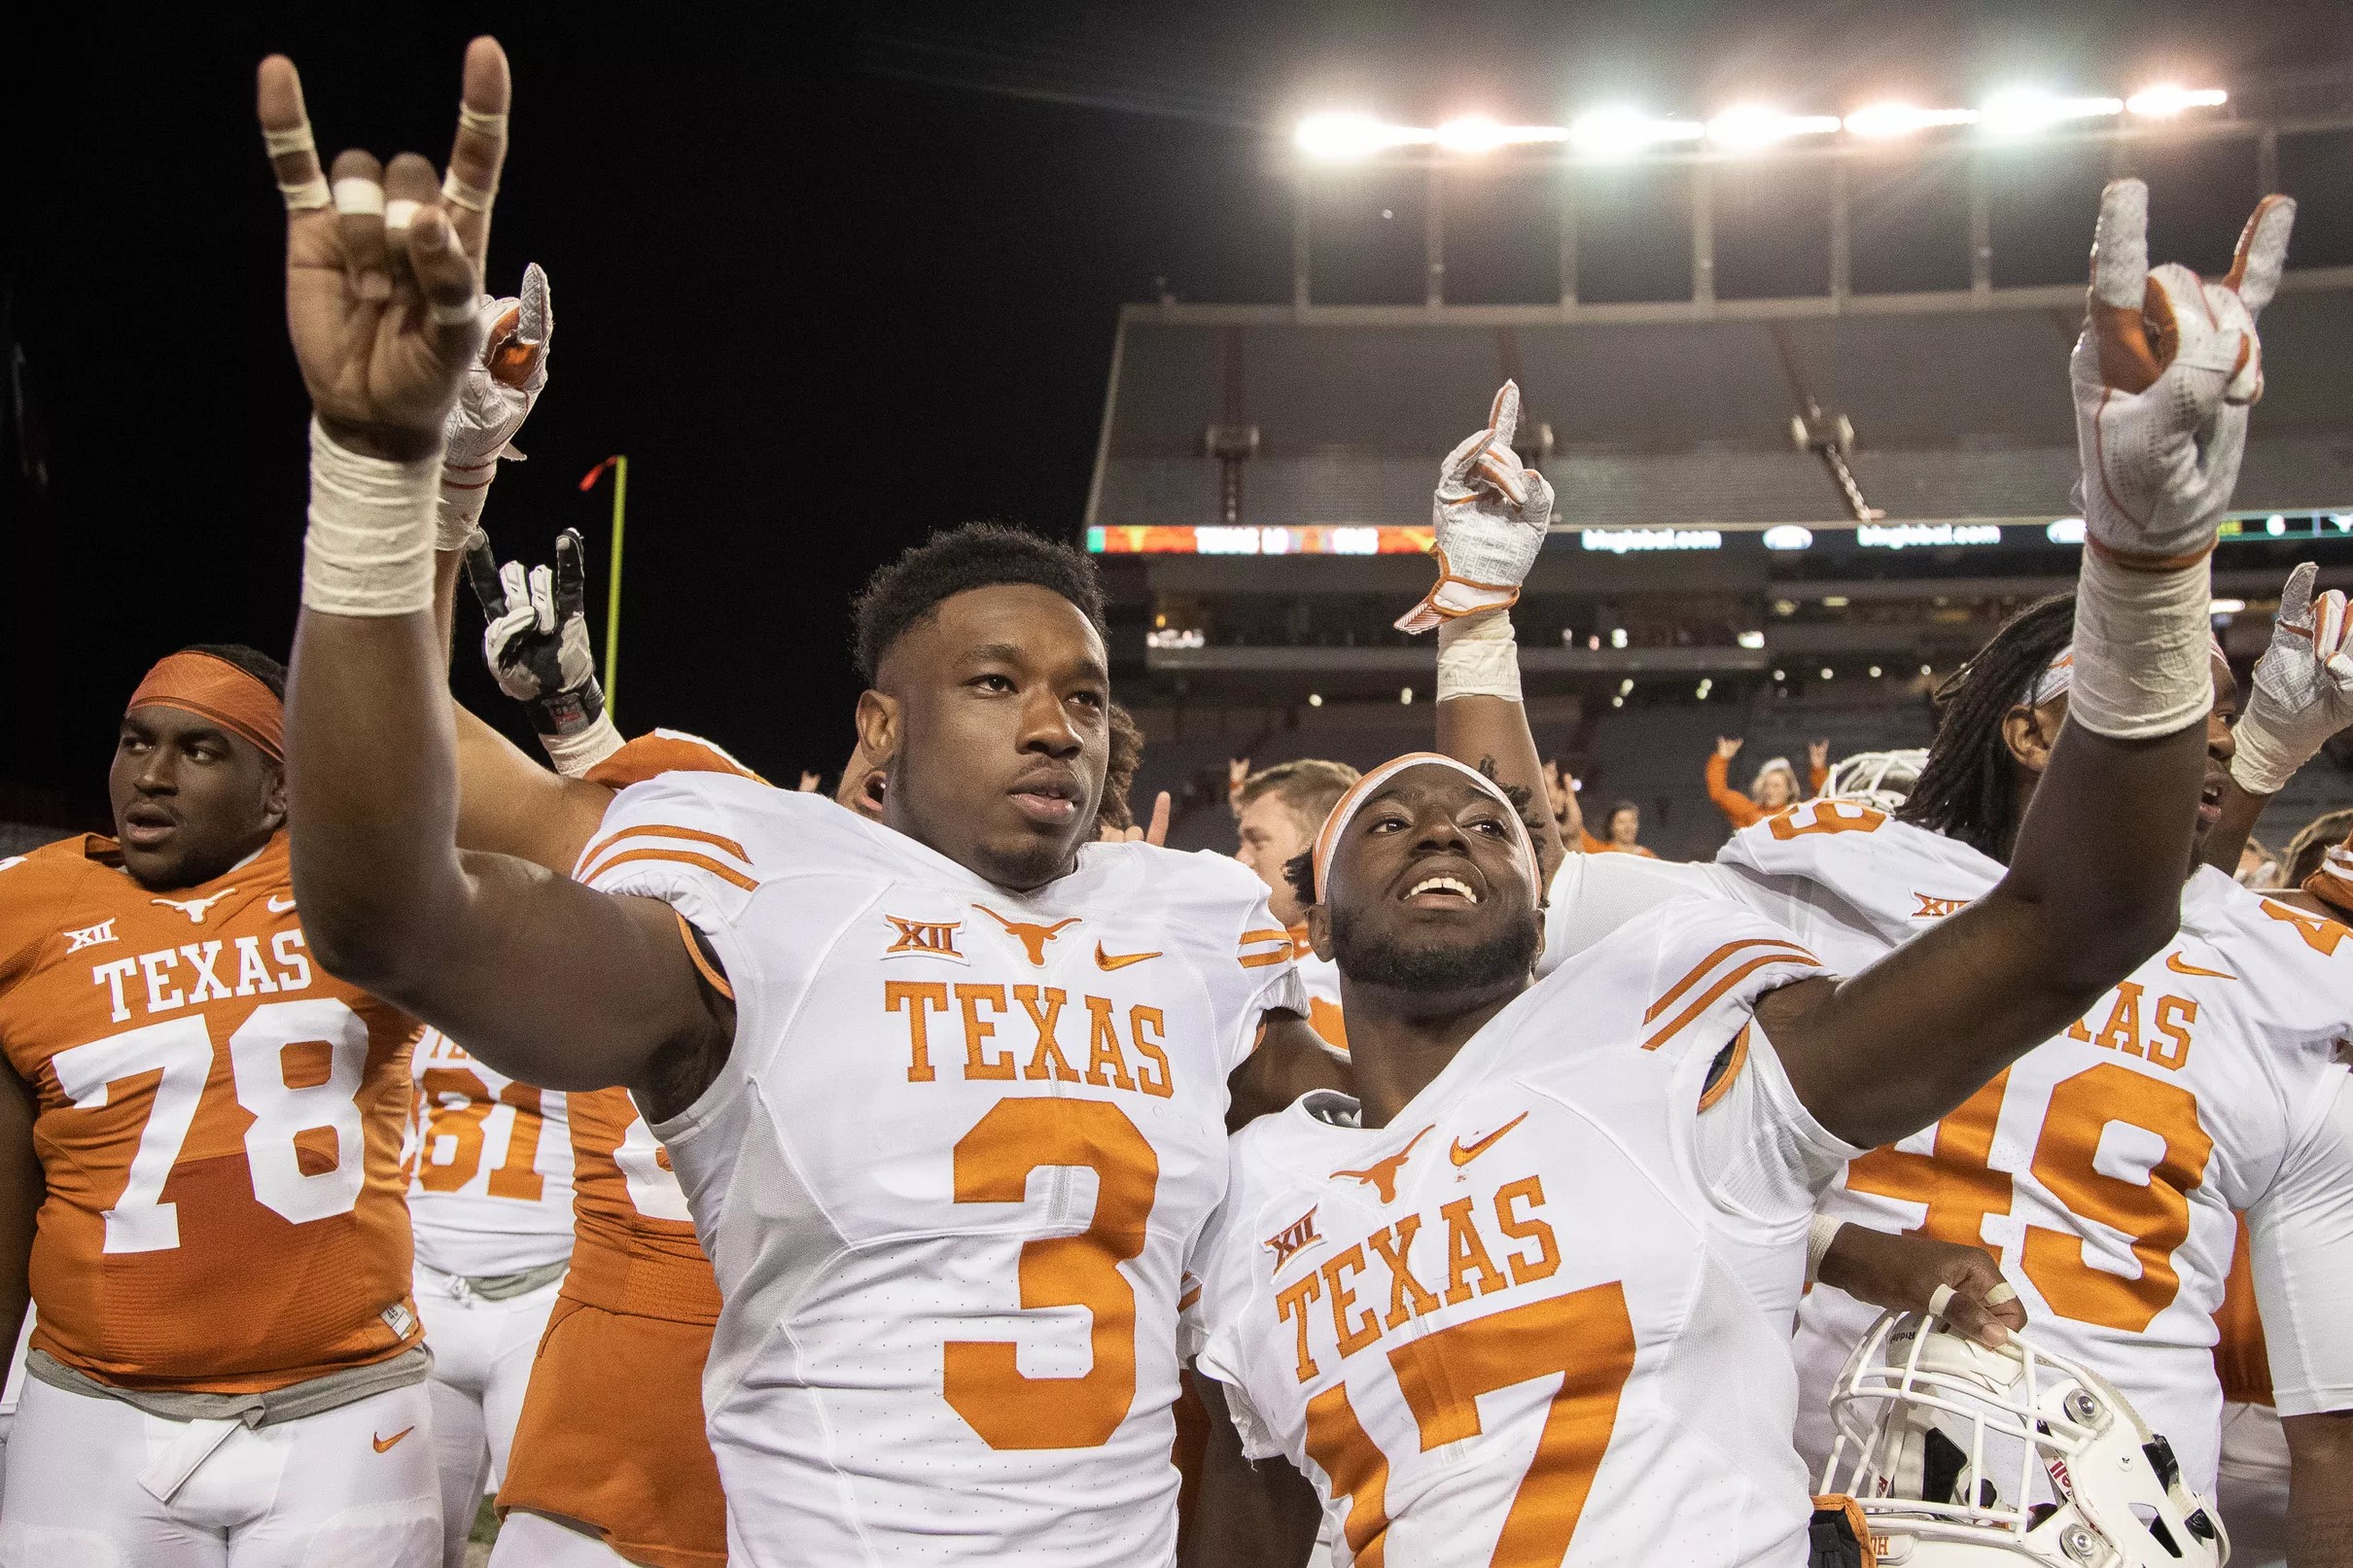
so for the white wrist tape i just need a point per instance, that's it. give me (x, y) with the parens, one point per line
(458, 509)
(2142, 647)
(1477, 657)
(369, 549)
(1818, 1235)
(574, 754)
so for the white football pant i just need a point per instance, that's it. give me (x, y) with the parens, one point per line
(482, 1352)
(534, 1541)
(353, 1485)
(2253, 1486)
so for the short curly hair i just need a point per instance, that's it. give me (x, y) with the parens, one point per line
(907, 592)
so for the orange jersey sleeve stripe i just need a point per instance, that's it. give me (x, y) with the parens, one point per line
(694, 951)
(1261, 960)
(1699, 971)
(725, 873)
(1731, 979)
(1272, 933)
(1731, 1070)
(694, 835)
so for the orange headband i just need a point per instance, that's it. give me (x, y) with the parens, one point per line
(211, 687)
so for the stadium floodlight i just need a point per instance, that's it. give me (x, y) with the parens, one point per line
(1751, 640)
(2159, 101)
(1881, 121)
(2023, 112)
(2226, 606)
(1750, 127)
(1344, 138)
(1622, 132)
(1478, 133)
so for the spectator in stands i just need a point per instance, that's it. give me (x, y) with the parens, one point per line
(1620, 829)
(1774, 786)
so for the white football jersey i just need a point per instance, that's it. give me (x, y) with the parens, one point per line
(1320, 978)
(1542, 1315)
(949, 1172)
(2104, 1167)
(489, 1165)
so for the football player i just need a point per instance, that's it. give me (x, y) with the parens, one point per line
(2106, 1166)
(1627, 1157)
(227, 1366)
(856, 1043)
(1276, 810)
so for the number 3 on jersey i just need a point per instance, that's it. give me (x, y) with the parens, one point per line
(180, 1052)
(992, 1162)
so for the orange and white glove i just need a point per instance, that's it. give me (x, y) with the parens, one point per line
(1491, 513)
(2303, 686)
(2164, 375)
(495, 398)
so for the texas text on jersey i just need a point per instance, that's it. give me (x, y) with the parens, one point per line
(898, 1350)
(1540, 1316)
(2105, 1168)
(218, 1121)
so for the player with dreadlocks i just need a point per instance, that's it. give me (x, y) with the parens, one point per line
(2202, 1087)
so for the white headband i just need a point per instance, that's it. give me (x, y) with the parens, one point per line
(2060, 675)
(1328, 838)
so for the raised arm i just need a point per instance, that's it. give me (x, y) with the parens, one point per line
(2164, 374)
(1491, 514)
(543, 978)
(2302, 694)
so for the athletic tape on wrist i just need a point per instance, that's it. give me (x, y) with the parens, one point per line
(2142, 661)
(574, 754)
(2263, 763)
(1818, 1235)
(1477, 657)
(369, 549)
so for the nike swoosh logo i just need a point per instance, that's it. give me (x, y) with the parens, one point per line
(387, 1445)
(279, 906)
(1463, 1154)
(2182, 966)
(1119, 961)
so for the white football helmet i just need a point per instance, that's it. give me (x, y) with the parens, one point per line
(1966, 1457)
(1880, 778)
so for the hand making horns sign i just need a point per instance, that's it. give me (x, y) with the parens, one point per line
(383, 268)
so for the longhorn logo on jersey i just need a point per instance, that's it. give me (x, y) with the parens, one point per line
(196, 909)
(1288, 1242)
(1032, 938)
(1381, 1174)
(929, 939)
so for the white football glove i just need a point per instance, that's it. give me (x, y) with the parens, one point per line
(536, 643)
(2163, 374)
(1491, 514)
(2303, 686)
(494, 399)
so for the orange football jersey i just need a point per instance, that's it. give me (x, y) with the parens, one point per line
(634, 1249)
(218, 1121)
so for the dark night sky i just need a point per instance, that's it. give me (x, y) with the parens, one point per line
(829, 284)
